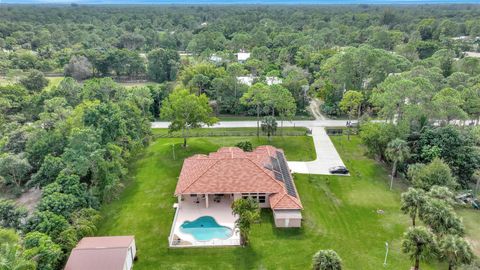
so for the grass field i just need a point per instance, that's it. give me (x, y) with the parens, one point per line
(134, 84)
(471, 220)
(340, 213)
(227, 118)
(53, 81)
(209, 132)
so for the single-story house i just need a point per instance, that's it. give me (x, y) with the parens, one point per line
(231, 173)
(101, 253)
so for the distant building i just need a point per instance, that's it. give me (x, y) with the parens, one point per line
(461, 38)
(184, 53)
(472, 54)
(215, 59)
(248, 80)
(243, 56)
(273, 80)
(102, 253)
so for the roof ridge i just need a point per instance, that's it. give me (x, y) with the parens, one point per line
(289, 197)
(206, 170)
(273, 206)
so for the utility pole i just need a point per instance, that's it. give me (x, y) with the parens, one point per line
(386, 254)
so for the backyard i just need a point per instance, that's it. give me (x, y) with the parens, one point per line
(341, 213)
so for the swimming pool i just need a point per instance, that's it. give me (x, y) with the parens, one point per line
(206, 228)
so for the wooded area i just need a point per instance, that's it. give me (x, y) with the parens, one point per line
(415, 67)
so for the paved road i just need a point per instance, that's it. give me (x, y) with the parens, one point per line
(327, 155)
(299, 123)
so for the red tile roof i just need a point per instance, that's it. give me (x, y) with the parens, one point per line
(231, 170)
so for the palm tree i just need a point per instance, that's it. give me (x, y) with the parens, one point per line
(327, 260)
(455, 251)
(441, 218)
(397, 151)
(248, 212)
(11, 258)
(269, 126)
(412, 201)
(420, 244)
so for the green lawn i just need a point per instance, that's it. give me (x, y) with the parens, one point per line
(340, 213)
(471, 220)
(52, 81)
(135, 84)
(227, 132)
(225, 117)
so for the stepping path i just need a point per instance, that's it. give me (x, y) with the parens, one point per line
(327, 155)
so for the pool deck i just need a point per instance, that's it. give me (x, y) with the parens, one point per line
(189, 210)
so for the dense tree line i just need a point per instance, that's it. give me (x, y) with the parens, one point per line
(317, 51)
(73, 141)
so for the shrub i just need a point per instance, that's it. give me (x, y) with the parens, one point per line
(11, 215)
(245, 146)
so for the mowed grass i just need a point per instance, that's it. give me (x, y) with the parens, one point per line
(52, 81)
(341, 213)
(471, 220)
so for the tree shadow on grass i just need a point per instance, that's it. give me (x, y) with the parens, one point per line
(246, 258)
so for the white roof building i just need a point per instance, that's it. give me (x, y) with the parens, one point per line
(215, 58)
(248, 80)
(472, 54)
(243, 56)
(273, 80)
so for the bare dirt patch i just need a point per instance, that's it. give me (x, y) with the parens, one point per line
(30, 199)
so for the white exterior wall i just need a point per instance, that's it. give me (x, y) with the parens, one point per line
(130, 257)
(265, 204)
(287, 218)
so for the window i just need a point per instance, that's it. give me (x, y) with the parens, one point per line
(261, 199)
(193, 195)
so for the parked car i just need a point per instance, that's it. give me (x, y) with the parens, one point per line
(338, 170)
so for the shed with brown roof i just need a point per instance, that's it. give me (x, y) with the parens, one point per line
(103, 253)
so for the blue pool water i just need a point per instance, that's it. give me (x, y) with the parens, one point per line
(205, 228)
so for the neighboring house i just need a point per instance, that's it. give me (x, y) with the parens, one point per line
(230, 173)
(248, 80)
(102, 253)
(273, 80)
(243, 56)
(472, 54)
(216, 59)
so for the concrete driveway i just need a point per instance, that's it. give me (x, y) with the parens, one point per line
(327, 155)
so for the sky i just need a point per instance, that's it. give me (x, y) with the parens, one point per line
(192, 2)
